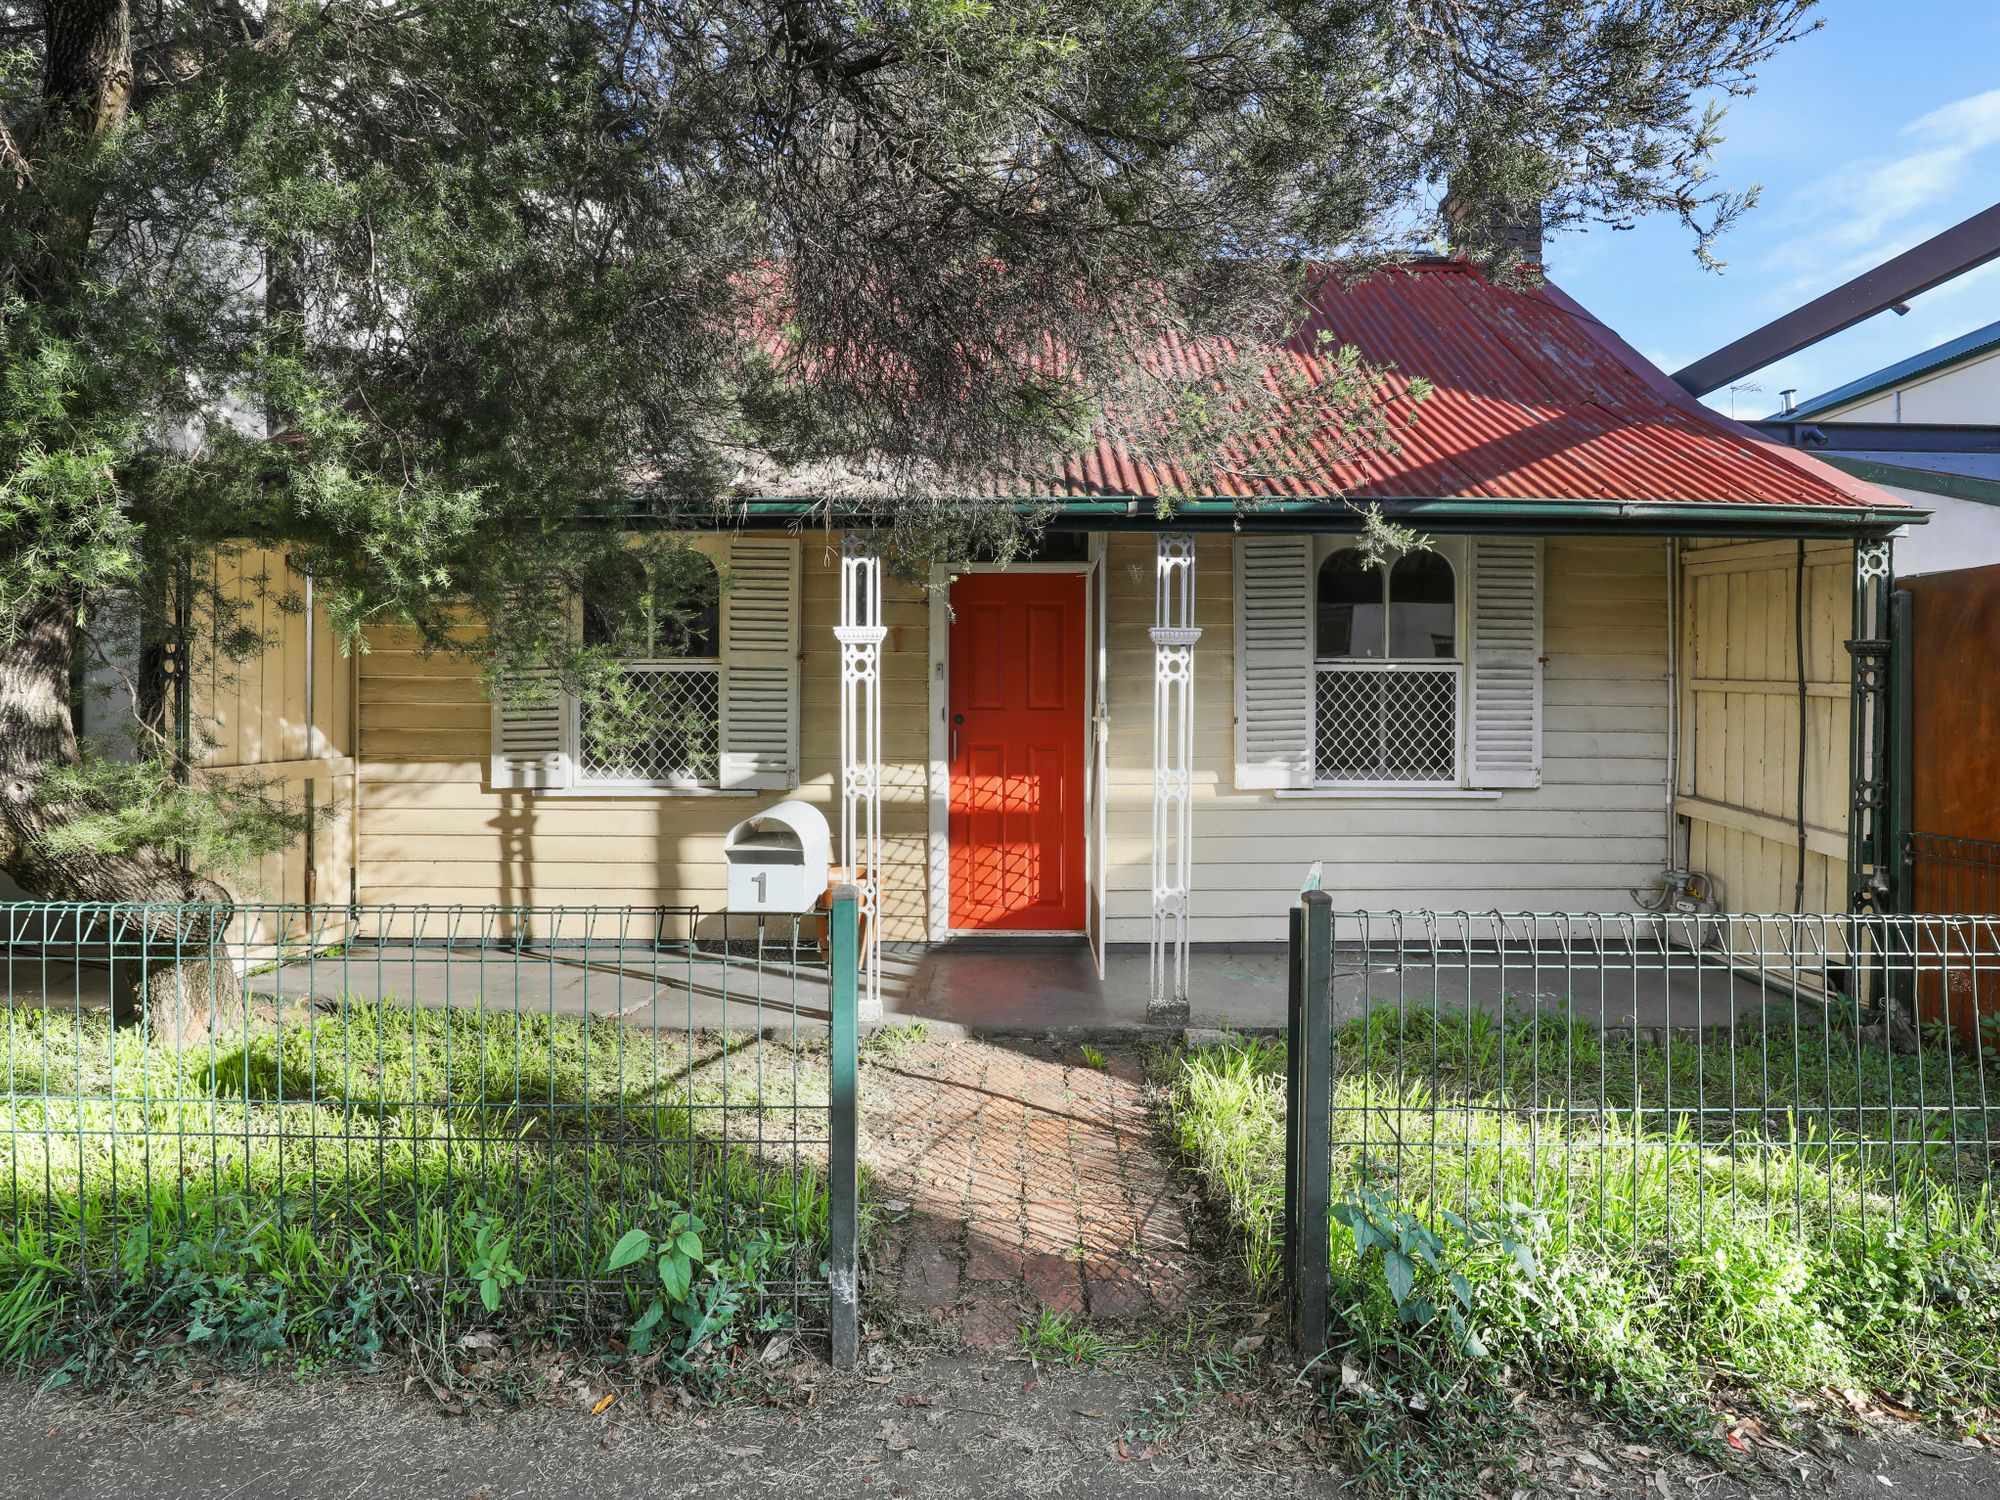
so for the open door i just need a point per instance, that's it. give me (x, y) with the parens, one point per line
(1097, 794)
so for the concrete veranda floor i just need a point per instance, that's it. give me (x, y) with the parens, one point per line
(990, 985)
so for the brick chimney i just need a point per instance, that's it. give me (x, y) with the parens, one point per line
(1508, 228)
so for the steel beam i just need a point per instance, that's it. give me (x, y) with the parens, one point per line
(1827, 438)
(1937, 260)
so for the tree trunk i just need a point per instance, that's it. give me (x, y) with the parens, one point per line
(169, 969)
(87, 75)
(168, 965)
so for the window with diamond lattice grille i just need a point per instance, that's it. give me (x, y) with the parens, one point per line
(1387, 682)
(665, 726)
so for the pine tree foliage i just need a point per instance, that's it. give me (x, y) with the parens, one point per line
(444, 298)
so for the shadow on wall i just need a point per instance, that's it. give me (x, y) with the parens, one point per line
(516, 825)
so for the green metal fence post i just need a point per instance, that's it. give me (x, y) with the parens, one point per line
(1899, 983)
(1902, 736)
(1312, 1040)
(843, 1171)
(1868, 860)
(1295, 988)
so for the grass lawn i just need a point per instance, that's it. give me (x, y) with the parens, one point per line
(1629, 1222)
(311, 1181)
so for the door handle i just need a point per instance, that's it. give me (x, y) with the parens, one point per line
(956, 720)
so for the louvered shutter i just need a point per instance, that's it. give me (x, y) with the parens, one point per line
(527, 735)
(1274, 653)
(1505, 740)
(760, 663)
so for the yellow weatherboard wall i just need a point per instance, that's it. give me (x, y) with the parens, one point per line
(433, 830)
(1593, 829)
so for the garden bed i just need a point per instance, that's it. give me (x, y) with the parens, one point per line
(318, 1178)
(1629, 1221)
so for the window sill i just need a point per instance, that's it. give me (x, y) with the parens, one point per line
(610, 793)
(1385, 794)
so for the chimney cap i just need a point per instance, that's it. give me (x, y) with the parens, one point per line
(1789, 400)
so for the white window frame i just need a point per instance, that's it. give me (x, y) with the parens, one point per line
(582, 782)
(1454, 551)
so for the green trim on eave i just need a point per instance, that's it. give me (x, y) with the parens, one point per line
(1520, 517)
(1928, 481)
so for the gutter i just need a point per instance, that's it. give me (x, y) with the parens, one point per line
(1488, 517)
(1927, 481)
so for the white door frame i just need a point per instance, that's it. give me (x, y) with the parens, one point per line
(938, 920)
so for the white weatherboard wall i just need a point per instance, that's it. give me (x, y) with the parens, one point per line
(1595, 828)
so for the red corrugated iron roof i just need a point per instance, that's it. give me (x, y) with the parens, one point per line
(1532, 399)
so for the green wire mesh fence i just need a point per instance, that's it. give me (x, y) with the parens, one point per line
(474, 1106)
(1638, 1081)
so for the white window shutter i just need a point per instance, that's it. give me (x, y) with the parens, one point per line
(1505, 742)
(1274, 661)
(528, 747)
(760, 663)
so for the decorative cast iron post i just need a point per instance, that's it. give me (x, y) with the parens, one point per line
(1174, 635)
(860, 633)
(1871, 871)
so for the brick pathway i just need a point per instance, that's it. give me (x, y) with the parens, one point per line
(1031, 1181)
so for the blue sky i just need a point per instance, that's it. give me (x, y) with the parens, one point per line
(1872, 134)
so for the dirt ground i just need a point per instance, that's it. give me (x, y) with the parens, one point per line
(945, 1425)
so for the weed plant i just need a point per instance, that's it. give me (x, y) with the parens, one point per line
(304, 1191)
(1523, 1201)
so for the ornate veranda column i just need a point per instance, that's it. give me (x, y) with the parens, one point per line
(1871, 862)
(860, 633)
(1174, 635)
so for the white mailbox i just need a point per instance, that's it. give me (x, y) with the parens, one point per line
(778, 860)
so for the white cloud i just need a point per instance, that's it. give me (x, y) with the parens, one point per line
(1875, 206)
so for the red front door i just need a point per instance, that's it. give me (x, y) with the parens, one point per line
(1016, 716)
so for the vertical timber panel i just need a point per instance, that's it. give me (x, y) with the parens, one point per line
(1742, 747)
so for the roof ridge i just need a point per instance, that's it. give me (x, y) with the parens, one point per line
(1938, 356)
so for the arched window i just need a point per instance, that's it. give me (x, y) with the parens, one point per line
(1404, 612)
(1350, 600)
(671, 613)
(1423, 608)
(1387, 683)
